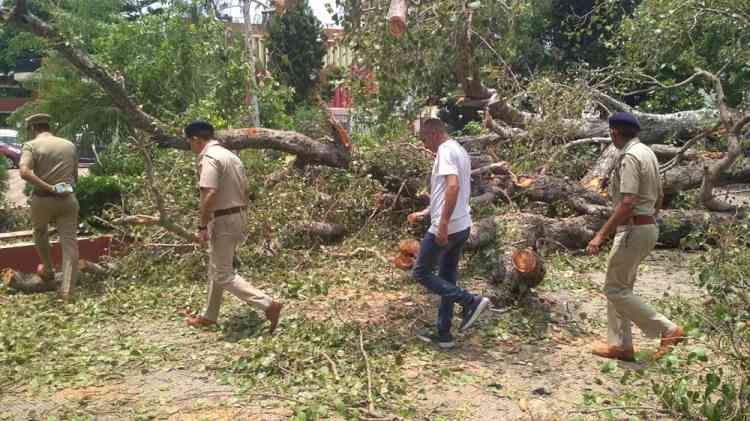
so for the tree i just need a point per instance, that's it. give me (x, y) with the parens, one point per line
(296, 45)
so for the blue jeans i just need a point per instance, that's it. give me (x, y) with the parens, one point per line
(444, 284)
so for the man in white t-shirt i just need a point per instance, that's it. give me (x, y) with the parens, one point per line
(450, 216)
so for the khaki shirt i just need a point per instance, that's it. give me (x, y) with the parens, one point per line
(53, 159)
(637, 173)
(220, 169)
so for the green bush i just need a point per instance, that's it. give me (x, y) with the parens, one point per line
(95, 192)
(712, 382)
(117, 159)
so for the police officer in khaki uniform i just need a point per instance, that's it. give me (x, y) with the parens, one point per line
(223, 204)
(637, 194)
(46, 162)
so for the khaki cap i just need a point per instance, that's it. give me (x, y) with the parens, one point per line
(40, 118)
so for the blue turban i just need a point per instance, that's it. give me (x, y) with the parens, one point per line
(624, 119)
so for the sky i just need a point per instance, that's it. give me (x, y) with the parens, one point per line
(318, 6)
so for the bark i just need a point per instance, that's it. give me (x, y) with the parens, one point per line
(397, 17)
(482, 233)
(528, 230)
(309, 150)
(519, 270)
(666, 152)
(734, 132)
(552, 189)
(467, 72)
(324, 231)
(657, 127)
(253, 119)
(690, 176)
(654, 127)
(32, 283)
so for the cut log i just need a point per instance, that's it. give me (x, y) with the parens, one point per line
(514, 274)
(482, 233)
(397, 17)
(596, 178)
(526, 268)
(403, 262)
(324, 231)
(552, 189)
(32, 283)
(409, 247)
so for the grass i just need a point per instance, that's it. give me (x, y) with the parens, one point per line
(125, 332)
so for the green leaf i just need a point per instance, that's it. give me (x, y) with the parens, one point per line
(698, 353)
(608, 367)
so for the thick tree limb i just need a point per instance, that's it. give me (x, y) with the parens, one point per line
(164, 220)
(657, 127)
(712, 172)
(306, 149)
(466, 70)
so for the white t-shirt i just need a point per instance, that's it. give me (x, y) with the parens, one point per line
(451, 159)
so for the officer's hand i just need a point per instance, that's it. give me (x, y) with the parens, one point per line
(594, 245)
(415, 217)
(203, 236)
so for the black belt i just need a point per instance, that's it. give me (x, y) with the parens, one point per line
(40, 193)
(228, 211)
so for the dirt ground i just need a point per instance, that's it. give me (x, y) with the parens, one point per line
(543, 378)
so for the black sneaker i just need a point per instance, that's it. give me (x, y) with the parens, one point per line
(444, 341)
(471, 313)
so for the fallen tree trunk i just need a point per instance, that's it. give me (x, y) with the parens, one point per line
(528, 230)
(552, 189)
(31, 283)
(657, 127)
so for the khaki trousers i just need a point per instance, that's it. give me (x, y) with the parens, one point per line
(630, 247)
(225, 233)
(63, 212)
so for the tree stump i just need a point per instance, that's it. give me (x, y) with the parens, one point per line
(518, 271)
(527, 268)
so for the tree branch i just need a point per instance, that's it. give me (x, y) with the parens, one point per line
(164, 219)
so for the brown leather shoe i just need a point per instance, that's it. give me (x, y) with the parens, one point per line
(199, 321)
(273, 312)
(608, 351)
(668, 341)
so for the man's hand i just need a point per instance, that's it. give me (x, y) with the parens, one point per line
(441, 238)
(415, 217)
(202, 236)
(594, 245)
